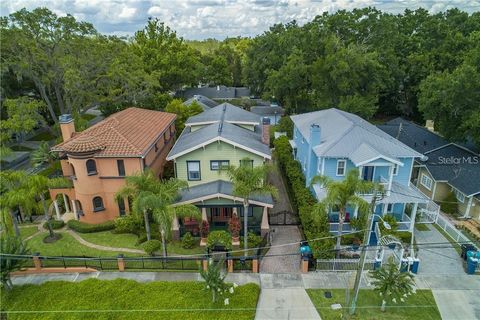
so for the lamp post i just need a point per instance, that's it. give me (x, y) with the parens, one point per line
(366, 240)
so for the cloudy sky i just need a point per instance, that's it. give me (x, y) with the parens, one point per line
(200, 19)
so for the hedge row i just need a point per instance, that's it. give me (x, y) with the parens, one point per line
(83, 227)
(56, 224)
(315, 225)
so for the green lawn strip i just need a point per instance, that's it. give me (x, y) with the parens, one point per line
(68, 246)
(43, 136)
(153, 300)
(455, 245)
(26, 232)
(20, 148)
(422, 227)
(88, 116)
(107, 238)
(418, 306)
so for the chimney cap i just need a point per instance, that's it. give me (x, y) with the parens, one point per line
(65, 118)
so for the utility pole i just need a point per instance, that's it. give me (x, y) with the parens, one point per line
(361, 263)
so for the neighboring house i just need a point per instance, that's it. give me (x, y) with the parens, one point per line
(203, 101)
(331, 142)
(98, 159)
(450, 167)
(274, 113)
(218, 92)
(216, 138)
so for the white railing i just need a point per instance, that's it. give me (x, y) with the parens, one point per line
(453, 232)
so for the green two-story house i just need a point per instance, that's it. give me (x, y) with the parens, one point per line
(214, 139)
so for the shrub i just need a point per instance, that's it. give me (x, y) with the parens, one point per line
(234, 226)
(222, 238)
(56, 224)
(142, 237)
(129, 224)
(450, 204)
(187, 241)
(253, 240)
(83, 227)
(404, 236)
(151, 246)
(390, 219)
(204, 229)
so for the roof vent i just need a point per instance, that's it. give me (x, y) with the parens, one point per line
(65, 118)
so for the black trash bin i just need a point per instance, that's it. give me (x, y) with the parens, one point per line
(465, 248)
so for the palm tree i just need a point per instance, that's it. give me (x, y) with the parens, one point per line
(341, 194)
(248, 181)
(43, 155)
(13, 195)
(391, 284)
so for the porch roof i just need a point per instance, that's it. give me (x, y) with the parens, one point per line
(220, 189)
(399, 194)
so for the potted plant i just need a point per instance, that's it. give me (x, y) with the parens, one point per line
(234, 228)
(204, 228)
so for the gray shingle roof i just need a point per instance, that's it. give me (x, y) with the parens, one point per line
(203, 101)
(217, 92)
(347, 135)
(249, 140)
(217, 187)
(267, 110)
(226, 112)
(457, 166)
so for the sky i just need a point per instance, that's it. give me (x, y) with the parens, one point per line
(201, 19)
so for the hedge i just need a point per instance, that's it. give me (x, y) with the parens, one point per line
(83, 227)
(56, 224)
(151, 246)
(313, 226)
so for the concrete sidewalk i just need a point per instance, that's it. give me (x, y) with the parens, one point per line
(286, 303)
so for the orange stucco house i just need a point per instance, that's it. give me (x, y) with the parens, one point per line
(98, 159)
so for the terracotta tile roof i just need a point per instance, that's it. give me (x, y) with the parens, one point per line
(126, 133)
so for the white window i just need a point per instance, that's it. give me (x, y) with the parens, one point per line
(426, 181)
(219, 164)
(341, 167)
(395, 169)
(460, 196)
(193, 170)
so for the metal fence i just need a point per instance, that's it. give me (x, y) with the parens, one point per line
(161, 263)
(343, 264)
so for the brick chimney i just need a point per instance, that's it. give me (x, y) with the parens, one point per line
(67, 126)
(266, 131)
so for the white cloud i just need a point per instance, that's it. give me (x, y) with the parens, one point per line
(198, 19)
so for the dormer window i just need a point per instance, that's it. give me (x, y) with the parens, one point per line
(91, 167)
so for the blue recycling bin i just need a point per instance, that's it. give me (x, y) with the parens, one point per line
(415, 265)
(471, 265)
(471, 254)
(377, 264)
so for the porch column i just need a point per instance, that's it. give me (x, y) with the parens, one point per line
(265, 227)
(204, 214)
(469, 206)
(75, 212)
(57, 210)
(390, 180)
(384, 209)
(355, 212)
(67, 205)
(175, 229)
(413, 216)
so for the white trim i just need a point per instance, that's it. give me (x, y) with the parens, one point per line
(323, 166)
(469, 206)
(379, 157)
(225, 196)
(449, 144)
(199, 123)
(344, 167)
(219, 139)
(243, 122)
(425, 184)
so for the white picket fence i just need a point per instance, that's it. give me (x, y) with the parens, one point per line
(450, 229)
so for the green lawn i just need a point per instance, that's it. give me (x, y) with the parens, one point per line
(127, 299)
(20, 148)
(419, 306)
(422, 227)
(67, 246)
(43, 136)
(27, 231)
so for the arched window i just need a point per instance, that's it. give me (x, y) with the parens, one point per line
(98, 204)
(91, 167)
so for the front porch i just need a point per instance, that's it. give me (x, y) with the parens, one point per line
(218, 204)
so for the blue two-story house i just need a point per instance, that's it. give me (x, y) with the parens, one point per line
(331, 142)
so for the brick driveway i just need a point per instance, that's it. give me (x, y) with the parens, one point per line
(283, 259)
